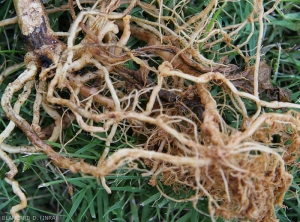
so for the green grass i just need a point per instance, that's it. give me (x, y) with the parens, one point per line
(132, 198)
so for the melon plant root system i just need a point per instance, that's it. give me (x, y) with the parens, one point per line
(165, 102)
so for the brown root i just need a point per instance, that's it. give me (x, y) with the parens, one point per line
(187, 143)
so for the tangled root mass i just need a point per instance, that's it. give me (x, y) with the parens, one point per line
(165, 102)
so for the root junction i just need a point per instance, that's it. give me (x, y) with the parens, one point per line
(186, 140)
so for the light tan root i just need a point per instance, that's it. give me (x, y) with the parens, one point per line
(185, 140)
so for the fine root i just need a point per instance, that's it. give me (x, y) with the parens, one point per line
(186, 140)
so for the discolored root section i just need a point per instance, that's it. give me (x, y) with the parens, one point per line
(165, 102)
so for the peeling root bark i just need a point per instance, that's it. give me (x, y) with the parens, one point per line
(166, 103)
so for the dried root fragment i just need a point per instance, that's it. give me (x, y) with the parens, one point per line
(15, 185)
(187, 143)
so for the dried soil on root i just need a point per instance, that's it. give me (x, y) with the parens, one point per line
(186, 143)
